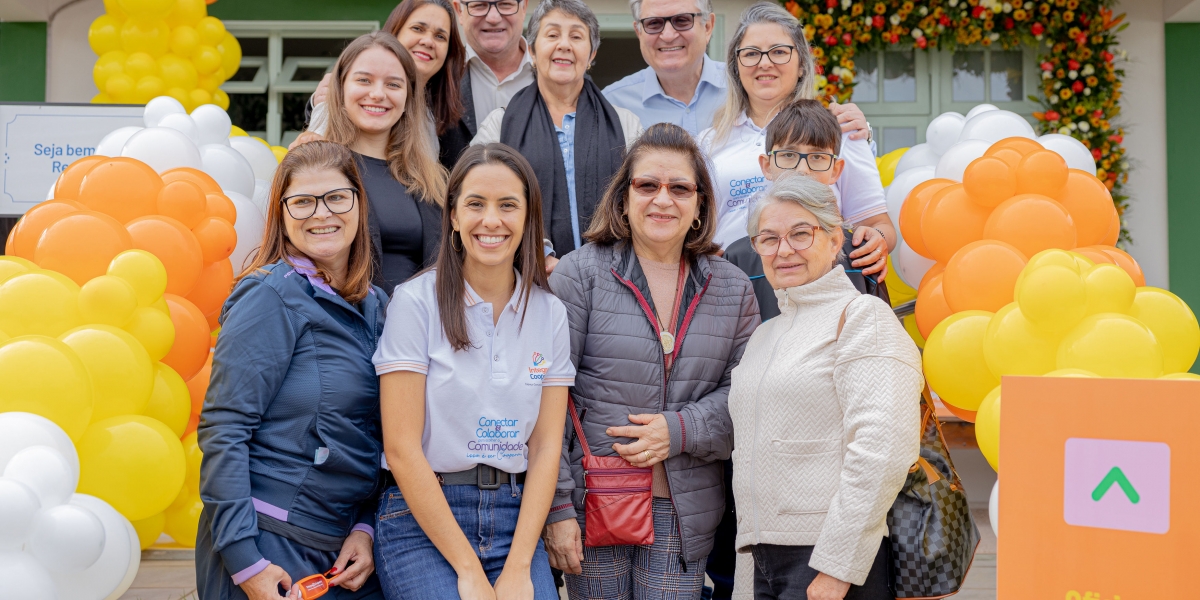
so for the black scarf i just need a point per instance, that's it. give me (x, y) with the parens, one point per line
(599, 150)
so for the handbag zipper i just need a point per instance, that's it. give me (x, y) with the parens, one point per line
(633, 471)
(624, 490)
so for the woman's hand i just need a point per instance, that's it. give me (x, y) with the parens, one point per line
(304, 138)
(514, 583)
(852, 120)
(475, 586)
(357, 551)
(265, 585)
(825, 587)
(872, 255)
(551, 262)
(564, 545)
(653, 443)
(322, 92)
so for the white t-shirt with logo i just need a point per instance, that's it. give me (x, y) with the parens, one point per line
(481, 403)
(738, 178)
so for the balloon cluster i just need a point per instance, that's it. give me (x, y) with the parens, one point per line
(150, 48)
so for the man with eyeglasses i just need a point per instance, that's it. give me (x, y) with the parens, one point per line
(498, 60)
(682, 85)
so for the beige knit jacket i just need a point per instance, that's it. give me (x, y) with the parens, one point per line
(825, 426)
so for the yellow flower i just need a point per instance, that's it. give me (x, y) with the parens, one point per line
(1072, 4)
(880, 8)
(1020, 14)
(856, 10)
(1064, 93)
(907, 6)
(1092, 81)
(989, 24)
(1079, 110)
(1068, 16)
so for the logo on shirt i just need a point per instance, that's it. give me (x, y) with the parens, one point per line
(538, 372)
(741, 189)
(538, 359)
(497, 439)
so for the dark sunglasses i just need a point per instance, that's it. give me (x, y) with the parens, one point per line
(681, 22)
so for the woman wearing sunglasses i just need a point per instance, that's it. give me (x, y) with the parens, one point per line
(657, 325)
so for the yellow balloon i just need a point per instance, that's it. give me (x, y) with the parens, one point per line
(161, 306)
(183, 517)
(113, 7)
(279, 152)
(191, 452)
(1173, 323)
(149, 88)
(144, 272)
(132, 462)
(1052, 297)
(235, 131)
(206, 60)
(1071, 373)
(169, 400)
(1015, 346)
(231, 55)
(210, 83)
(65, 281)
(104, 34)
(147, 8)
(108, 66)
(910, 325)
(107, 300)
(187, 12)
(1112, 345)
(177, 72)
(101, 98)
(1185, 376)
(153, 329)
(11, 266)
(121, 88)
(987, 428)
(184, 40)
(37, 304)
(887, 165)
(1109, 289)
(43, 376)
(211, 30)
(1082, 262)
(181, 95)
(954, 362)
(200, 97)
(149, 529)
(140, 64)
(151, 36)
(121, 371)
(220, 98)
(898, 291)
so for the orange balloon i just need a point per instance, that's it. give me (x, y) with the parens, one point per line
(1042, 172)
(221, 207)
(67, 186)
(1023, 146)
(198, 385)
(183, 201)
(962, 413)
(989, 181)
(1090, 205)
(982, 276)
(212, 289)
(913, 208)
(1010, 156)
(196, 176)
(29, 229)
(1125, 261)
(217, 238)
(933, 271)
(174, 245)
(1114, 231)
(81, 245)
(931, 306)
(122, 188)
(191, 337)
(1032, 223)
(1096, 256)
(952, 221)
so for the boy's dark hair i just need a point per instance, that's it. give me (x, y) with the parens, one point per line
(805, 122)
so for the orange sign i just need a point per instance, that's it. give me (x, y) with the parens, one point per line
(1100, 489)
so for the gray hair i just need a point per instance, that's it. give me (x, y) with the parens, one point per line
(803, 191)
(574, 8)
(737, 101)
(705, 7)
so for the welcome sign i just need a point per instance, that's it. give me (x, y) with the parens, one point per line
(1100, 497)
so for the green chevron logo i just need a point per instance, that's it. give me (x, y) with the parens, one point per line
(1116, 477)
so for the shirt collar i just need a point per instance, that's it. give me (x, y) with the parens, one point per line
(471, 298)
(473, 56)
(710, 73)
(306, 268)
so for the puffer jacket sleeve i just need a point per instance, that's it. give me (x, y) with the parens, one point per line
(878, 379)
(251, 359)
(567, 283)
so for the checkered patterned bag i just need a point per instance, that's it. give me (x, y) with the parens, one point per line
(933, 535)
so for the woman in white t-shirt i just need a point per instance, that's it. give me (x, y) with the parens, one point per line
(769, 66)
(474, 368)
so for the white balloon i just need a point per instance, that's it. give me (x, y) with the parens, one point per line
(18, 506)
(260, 157)
(113, 142)
(980, 108)
(183, 124)
(995, 125)
(231, 170)
(26, 579)
(163, 149)
(898, 192)
(943, 131)
(954, 162)
(249, 226)
(262, 191)
(110, 574)
(994, 508)
(921, 155)
(160, 107)
(1072, 150)
(66, 538)
(910, 266)
(214, 124)
(20, 430)
(46, 472)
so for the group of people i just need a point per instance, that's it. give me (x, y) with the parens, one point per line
(473, 239)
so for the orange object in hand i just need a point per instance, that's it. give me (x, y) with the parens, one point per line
(315, 586)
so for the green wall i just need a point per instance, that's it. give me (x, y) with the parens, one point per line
(307, 10)
(23, 62)
(1183, 160)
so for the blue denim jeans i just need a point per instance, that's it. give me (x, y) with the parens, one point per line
(410, 567)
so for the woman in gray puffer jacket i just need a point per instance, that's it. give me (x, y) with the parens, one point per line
(658, 322)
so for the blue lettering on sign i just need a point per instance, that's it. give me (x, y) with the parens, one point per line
(54, 150)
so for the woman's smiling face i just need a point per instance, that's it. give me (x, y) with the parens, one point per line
(768, 83)
(375, 90)
(563, 48)
(426, 35)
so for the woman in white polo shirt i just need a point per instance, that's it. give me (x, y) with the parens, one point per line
(474, 369)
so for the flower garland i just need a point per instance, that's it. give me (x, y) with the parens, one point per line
(1076, 39)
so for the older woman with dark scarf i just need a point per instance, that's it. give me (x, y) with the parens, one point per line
(564, 110)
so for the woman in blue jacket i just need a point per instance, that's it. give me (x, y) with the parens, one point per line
(290, 425)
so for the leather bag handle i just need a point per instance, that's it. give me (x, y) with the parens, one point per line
(587, 451)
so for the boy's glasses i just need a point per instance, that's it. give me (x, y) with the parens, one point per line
(482, 8)
(681, 22)
(303, 206)
(800, 238)
(750, 57)
(648, 187)
(790, 159)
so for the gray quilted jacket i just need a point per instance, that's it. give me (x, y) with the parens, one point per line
(619, 363)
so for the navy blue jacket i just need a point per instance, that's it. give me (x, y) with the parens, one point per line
(290, 425)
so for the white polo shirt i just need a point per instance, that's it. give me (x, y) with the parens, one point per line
(481, 403)
(738, 178)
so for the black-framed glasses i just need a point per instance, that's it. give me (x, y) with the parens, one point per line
(680, 22)
(750, 57)
(799, 238)
(649, 186)
(790, 159)
(303, 206)
(480, 8)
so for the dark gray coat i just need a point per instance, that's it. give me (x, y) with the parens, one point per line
(619, 363)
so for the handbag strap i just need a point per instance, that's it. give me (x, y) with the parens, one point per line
(587, 451)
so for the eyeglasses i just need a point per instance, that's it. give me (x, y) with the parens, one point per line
(750, 57)
(303, 206)
(481, 8)
(800, 238)
(648, 187)
(790, 159)
(680, 22)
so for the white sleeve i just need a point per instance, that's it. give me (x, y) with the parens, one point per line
(404, 345)
(859, 188)
(489, 129)
(318, 121)
(562, 370)
(631, 125)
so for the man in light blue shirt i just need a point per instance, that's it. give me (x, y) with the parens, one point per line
(682, 85)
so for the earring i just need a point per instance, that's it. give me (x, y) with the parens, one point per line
(456, 236)
(696, 224)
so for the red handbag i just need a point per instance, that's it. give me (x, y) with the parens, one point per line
(616, 497)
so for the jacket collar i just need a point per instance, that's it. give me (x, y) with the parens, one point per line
(321, 290)
(830, 287)
(625, 263)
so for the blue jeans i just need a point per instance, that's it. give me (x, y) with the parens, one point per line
(410, 567)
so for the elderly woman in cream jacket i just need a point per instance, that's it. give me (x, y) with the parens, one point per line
(826, 410)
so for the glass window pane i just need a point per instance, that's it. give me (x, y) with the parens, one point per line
(1006, 78)
(248, 111)
(895, 138)
(866, 77)
(968, 77)
(292, 108)
(899, 77)
(323, 47)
